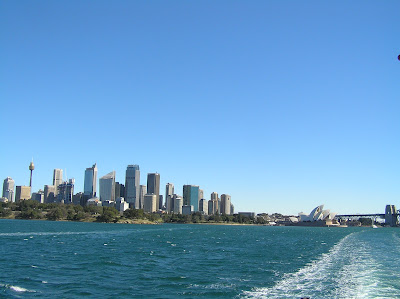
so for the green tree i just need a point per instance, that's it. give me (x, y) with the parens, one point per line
(134, 214)
(56, 213)
(109, 214)
(5, 212)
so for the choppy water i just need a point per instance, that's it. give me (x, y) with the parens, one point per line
(69, 260)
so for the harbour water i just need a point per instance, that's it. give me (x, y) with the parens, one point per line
(44, 259)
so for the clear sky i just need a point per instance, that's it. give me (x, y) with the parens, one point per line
(284, 105)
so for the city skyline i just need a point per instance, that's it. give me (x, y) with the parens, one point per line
(283, 105)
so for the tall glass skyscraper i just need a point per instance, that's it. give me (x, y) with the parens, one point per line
(90, 184)
(191, 196)
(107, 187)
(153, 186)
(132, 186)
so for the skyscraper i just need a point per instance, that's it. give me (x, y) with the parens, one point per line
(57, 178)
(225, 204)
(8, 189)
(49, 193)
(169, 203)
(90, 184)
(191, 196)
(132, 186)
(107, 187)
(153, 186)
(215, 203)
(150, 203)
(142, 193)
(66, 191)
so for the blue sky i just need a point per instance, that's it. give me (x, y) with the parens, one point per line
(284, 105)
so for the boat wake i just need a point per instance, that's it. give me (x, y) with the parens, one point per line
(348, 270)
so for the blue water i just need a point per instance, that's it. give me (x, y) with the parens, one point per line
(70, 260)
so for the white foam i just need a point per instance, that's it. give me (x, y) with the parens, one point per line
(20, 289)
(346, 271)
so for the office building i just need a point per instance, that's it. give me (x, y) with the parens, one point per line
(66, 191)
(132, 186)
(8, 189)
(119, 190)
(90, 183)
(178, 203)
(38, 196)
(212, 207)
(121, 205)
(203, 206)
(225, 204)
(201, 194)
(107, 187)
(153, 186)
(49, 193)
(143, 191)
(57, 178)
(79, 199)
(191, 196)
(214, 197)
(150, 203)
(169, 203)
(22, 193)
(187, 210)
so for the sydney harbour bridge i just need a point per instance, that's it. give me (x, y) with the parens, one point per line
(391, 216)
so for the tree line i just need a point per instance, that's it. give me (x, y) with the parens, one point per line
(31, 209)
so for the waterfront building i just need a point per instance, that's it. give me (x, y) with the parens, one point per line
(178, 203)
(8, 189)
(143, 191)
(22, 193)
(66, 191)
(57, 178)
(169, 203)
(38, 196)
(49, 193)
(232, 209)
(90, 183)
(121, 205)
(132, 186)
(153, 186)
(203, 206)
(225, 204)
(191, 196)
(317, 214)
(212, 207)
(187, 210)
(150, 203)
(107, 187)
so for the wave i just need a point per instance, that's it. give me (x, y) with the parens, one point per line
(348, 270)
(16, 288)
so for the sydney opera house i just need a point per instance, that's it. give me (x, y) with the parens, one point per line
(318, 217)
